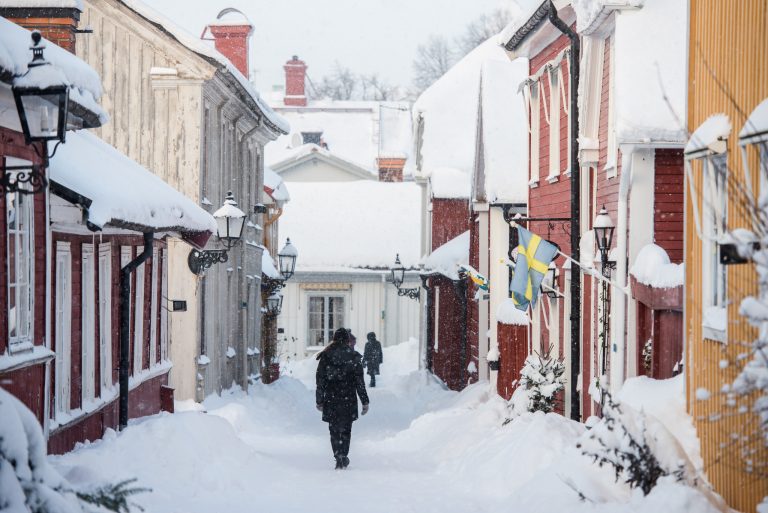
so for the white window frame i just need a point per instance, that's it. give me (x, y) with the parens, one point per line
(88, 323)
(436, 323)
(138, 328)
(63, 324)
(714, 218)
(153, 309)
(554, 123)
(20, 292)
(105, 316)
(163, 309)
(535, 92)
(326, 295)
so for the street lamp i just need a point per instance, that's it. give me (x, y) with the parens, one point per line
(274, 304)
(549, 282)
(398, 277)
(604, 228)
(287, 259)
(229, 228)
(42, 98)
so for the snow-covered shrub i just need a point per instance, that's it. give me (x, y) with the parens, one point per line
(542, 377)
(28, 483)
(639, 448)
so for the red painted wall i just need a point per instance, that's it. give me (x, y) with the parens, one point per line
(513, 349)
(446, 361)
(450, 218)
(668, 201)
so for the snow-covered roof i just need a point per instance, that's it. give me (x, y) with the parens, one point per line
(355, 131)
(508, 313)
(710, 134)
(15, 55)
(275, 186)
(449, 183)
(448, 110)
(653, 268)
(295, 156)
(60, 4)
(338, 226)
(201, 48)
(591, 13)
(268, 268)
(504, 132)
(447, 258)
(650, 68)
(122, 192)
(757, 124)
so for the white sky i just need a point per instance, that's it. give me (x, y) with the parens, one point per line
(366, 36)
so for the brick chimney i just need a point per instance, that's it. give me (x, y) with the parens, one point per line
(390, 169)
(231, 39)
(56, 24)
(295, 76)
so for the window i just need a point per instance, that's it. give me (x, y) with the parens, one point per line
(126, 255)
(63, 328)
(326, 315)
(554, 123)
(105, 315)
(436, 322)
(714, 217)
(163, 310)
(153, 308)
(312, 137)
(535, 128)
(88, 332)
(19, 215)
(138, 329)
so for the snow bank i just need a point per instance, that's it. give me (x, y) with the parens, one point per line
(449, 183)
(122, 192)
(653, 268)
(447, 258)
(508, 313)
(341, 225)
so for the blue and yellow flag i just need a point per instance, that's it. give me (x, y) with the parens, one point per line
(477, 278)
(534, 255)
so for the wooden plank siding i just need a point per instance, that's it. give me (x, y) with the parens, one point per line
(727, 74)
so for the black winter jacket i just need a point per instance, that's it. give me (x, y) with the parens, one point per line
(340, 381)
(373, 356)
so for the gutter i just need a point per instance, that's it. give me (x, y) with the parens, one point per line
(125, 328)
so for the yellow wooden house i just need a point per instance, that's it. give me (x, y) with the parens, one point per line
(728, 79)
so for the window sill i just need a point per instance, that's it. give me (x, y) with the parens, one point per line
(34, 356)
(611, 170)
(533, 183)
(553, 178)
(714, 334)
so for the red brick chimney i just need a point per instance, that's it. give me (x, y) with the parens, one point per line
(295, 76)
(390, 169)
(231, 39)
(56, 24)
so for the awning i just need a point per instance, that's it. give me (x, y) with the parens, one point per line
(116, 191)
(447, 258)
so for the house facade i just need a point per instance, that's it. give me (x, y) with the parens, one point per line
(725, 173)
(204, 129)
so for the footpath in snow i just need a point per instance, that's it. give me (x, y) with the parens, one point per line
(420, 449)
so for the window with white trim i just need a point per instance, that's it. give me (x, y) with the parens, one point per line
(163, 310)
(326, 315)
(535, 131)
(19, 258)
(554, 122)
(138, 328)
(153, 309)
(105, 315)
(88, 316)
(714, 273)
(63, 329)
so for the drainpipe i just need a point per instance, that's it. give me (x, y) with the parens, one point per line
(619, 313)
(575, 210)
(125, 329)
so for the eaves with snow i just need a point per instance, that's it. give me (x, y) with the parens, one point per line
(355, 132)
(274, 121)
(353, 226)
(118, 192)
(83, 81)
(446, 115)
(446, 259)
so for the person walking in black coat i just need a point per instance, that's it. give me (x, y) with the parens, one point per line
(340, 381)
(373, 356)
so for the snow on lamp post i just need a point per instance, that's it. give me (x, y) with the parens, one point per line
(398, 277)
(230, 221)
(604, 229)
(287, 260)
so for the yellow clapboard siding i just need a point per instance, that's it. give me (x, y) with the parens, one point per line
(728, 73)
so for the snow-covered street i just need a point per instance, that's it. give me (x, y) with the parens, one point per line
(421, 448)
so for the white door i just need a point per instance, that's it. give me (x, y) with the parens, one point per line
(63, 323)
(88, 308)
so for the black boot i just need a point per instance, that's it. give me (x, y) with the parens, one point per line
(344, 462)
(339, 462)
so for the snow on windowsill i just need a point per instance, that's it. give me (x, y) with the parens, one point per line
(203, 360)
(714, 323)
(533, 183)
(19, 358)
(553, 178)
(231, 353)
(147, 374)
(107, 396)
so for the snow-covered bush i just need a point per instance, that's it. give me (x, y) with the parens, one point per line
(28, 483)
(639, 448)
(542, 377)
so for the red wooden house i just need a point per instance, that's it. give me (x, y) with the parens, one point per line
(629, 158)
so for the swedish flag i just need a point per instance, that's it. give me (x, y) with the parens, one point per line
(534, 255)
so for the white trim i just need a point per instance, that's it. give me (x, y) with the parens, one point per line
(153, 307)
(535, 133)
(105, 315)
(436, 322)
(88, 326)
(63, 336)
(611, 161)
(163, 308)
(554, 125)
(138, 317)
(20, 320)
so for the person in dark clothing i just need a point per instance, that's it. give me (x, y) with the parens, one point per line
(373, 356)
(340, 381)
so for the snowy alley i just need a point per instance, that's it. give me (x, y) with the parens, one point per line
(420, 449)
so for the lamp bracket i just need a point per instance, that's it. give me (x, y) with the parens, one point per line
(23, 179)
(200, 261)
(410, 293)
(273, 286)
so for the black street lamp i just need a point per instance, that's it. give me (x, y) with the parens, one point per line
(398, 277)
(287, 259)
(604, 227)
(274, 304)
(229, 228)
(42, 110)
(549, 282)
